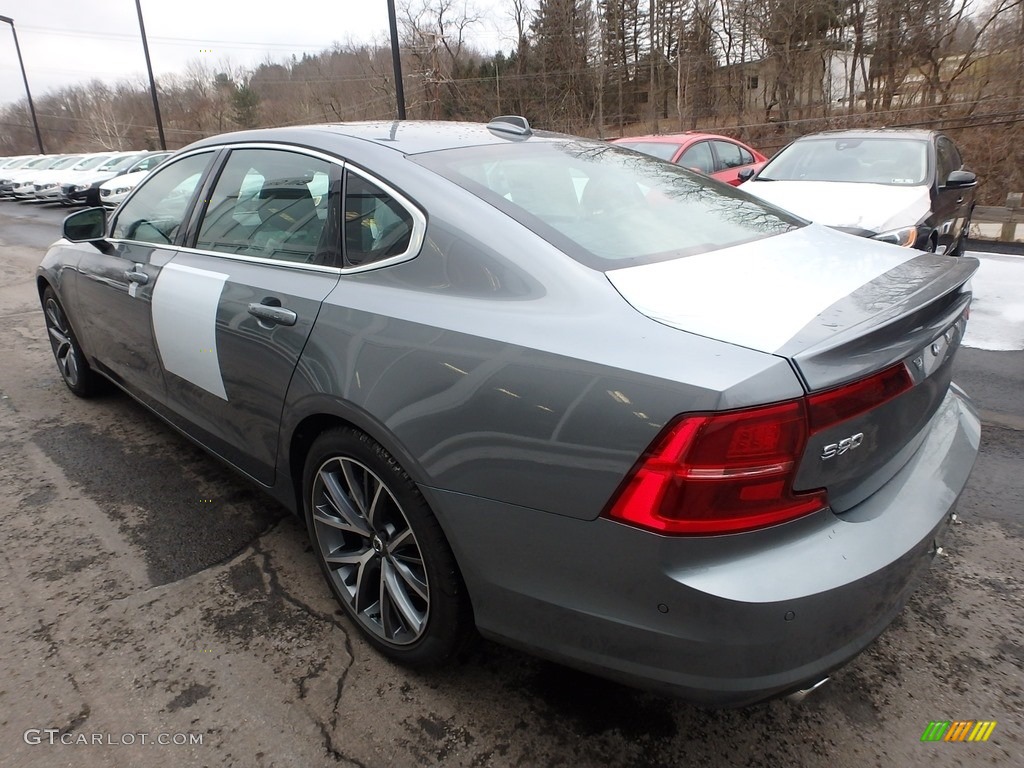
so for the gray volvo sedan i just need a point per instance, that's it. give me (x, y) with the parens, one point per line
(587, 403)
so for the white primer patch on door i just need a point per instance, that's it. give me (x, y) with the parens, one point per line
(185, 303)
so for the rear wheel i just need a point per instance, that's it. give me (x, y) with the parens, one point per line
(382, 551)
(73, 367)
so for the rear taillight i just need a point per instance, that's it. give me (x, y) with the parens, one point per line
(733, 471)
(825, 409)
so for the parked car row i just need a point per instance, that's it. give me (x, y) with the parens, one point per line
(75, 179)
(905, 187)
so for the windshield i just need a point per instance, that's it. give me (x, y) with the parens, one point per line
(67, 162)
(606, 206)
(148, 162)
(117, 163)
(90, 162)
(883, 160)
(659, 149)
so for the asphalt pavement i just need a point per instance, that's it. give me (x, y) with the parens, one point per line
(149, 595)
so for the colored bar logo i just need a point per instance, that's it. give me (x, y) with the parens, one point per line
(958, 730)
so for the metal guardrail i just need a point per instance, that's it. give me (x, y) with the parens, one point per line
(1001, 223)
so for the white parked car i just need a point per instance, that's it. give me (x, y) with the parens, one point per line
(115, 190)
(85, 187)
(19, 185)
(45, 183)
(904, 187)
(13, 171)
(80, 170)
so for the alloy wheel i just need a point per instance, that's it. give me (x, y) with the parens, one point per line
(63, 343)
(370, 551)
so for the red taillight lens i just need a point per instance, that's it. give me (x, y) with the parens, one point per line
(731, 472)
(721, 473)
(827, 408)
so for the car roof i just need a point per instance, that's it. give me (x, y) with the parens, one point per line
(409, 137)
(872, 133)
(676, 138)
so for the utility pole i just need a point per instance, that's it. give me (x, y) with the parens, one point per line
(152, 82)
(31, 106)
(396, 60)
(650, 96)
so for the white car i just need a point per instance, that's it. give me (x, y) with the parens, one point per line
(20, 181)
(86, 187)
(115, 190)
(904, 187)
(21, 169)
(45, 183)
(80, 170)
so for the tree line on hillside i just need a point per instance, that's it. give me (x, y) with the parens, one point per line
(762, 70)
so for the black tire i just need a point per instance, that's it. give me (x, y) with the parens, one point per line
(382, 551)
(961, 243)
(80, 378)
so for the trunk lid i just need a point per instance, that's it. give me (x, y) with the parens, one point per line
(840, 309)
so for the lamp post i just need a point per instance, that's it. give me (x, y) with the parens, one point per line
(31, 106)
(152, 82)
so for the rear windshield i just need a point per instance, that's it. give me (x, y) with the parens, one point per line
(606, 206)
(893, 161)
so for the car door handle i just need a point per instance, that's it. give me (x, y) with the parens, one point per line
(276, 315)
(136, 275)
(960, 199)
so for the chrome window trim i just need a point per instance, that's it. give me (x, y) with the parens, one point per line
(260, 260)
(419, 226)
(416, 238)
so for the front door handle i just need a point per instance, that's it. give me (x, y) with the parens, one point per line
(271, 314)
(136, 275)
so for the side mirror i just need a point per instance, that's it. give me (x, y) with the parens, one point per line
(961, 179)
(746, 174)
(88, 226)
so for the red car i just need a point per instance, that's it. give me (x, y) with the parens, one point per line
(719, 157)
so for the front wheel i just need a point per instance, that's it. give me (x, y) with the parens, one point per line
(382, 551)
(71, 362)
(961, 243)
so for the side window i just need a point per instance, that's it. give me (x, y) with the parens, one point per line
(729, 154)
(745, 157)
(155, 212)
(268, 203)
(377, 226)
(698, 156)
(149, 162)
(949, 158)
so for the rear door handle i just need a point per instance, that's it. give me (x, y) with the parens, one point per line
(275, 315)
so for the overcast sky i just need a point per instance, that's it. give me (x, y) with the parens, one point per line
(71, 41)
